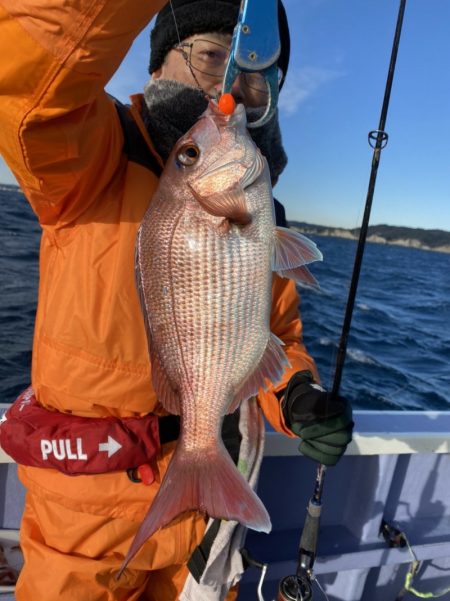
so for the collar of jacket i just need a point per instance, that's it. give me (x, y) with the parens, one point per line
(135, 109)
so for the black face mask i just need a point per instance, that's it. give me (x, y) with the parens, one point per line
(171, 109)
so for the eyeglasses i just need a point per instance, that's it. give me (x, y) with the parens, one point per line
(211, 59)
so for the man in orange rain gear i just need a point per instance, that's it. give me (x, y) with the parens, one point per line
(89, 169)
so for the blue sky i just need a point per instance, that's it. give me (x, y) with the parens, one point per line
(332, 99)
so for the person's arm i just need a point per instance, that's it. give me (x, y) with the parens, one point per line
(298, 405)
(285, 323)
(60, 134)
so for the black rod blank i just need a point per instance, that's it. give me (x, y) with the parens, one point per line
(380, 138)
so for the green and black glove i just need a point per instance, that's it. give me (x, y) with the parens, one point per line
(324, 424)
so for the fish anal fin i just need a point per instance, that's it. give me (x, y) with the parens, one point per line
(271, 367)
(229, 204)
(292, 250)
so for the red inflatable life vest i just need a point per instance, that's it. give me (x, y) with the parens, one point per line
(74, 445)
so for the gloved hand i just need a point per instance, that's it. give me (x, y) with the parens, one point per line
(324, 424)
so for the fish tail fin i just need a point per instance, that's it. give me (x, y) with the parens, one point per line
(211, 484)
(226, 494)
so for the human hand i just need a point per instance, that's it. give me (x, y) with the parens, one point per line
(324, 424)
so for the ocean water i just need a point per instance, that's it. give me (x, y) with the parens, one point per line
(398, 353)
(19, 244)
(399, 346)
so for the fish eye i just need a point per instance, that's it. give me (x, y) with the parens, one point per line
(188, 154)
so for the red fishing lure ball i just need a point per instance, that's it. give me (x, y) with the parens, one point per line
(227, 104)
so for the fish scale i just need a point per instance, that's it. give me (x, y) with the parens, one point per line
(219, 297)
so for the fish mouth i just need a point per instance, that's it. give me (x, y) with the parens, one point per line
(236, 116)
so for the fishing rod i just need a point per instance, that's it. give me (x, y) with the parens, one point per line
(298, 587)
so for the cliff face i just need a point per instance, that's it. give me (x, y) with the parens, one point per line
(435, 240)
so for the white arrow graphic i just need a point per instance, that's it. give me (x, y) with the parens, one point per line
(112, 446)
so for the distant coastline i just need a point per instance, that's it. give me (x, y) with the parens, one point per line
(433, 240)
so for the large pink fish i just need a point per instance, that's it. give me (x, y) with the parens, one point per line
(206, 251)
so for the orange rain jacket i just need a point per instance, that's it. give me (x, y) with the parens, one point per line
(61, 136)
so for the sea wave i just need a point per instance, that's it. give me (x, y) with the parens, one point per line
(363, 307)
(360, 357)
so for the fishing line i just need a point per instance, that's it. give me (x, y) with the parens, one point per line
(185, 54)
(322, 590)
(175, 21)
(410, 575)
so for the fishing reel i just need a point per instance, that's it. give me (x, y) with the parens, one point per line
(295, 588)
(298, 587)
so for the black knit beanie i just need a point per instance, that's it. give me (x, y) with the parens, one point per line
(204, 16)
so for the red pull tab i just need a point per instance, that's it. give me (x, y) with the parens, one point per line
(145, 473)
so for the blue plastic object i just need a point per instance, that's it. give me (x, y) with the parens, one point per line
(256, 47)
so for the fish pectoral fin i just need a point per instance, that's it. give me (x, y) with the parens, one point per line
(167, 395)
(270, 368)
(292, 251)
(229, 204)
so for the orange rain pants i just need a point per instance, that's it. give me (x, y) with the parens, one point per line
(75, 557)
(61, 137)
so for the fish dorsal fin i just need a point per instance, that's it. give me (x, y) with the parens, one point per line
(300, 274)
(271, 367)
(291, 251)
(164, 391)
